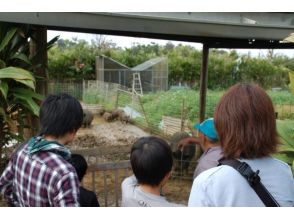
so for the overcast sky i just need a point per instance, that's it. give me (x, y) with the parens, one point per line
(129, 41)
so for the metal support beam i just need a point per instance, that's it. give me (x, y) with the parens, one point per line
(203, 82)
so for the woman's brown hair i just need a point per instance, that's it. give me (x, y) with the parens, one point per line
(245, 122)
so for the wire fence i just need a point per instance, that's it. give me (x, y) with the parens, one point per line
(163, 113)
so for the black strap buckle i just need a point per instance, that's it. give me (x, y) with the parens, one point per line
(252, 177)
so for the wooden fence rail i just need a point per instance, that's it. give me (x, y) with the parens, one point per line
(104, 167)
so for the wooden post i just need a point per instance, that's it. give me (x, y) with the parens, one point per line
(94, 181)
(38, 50)
(203, 90)
(116, 186)
(117, 98)
(203, 82)
(105, 189)
(39, 43)
(183, 116)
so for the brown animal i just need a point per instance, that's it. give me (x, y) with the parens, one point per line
(182, 158)
(120, 115)
(123, 117)
(116, 113)
(87, 118)
(107, 116)
(101, 111)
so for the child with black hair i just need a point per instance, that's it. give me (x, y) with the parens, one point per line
(152, 161)
(87, 197)
(38, 173)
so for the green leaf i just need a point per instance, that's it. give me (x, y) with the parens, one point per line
(23, 57)
(2, 112)
(4, 88)
(24, 97)
(2, 64)
(28, 83)
(284, 157)
(19, 75)
(29, 93)
(286, 131)
(9, 35)
(52, 42)
(16, 73)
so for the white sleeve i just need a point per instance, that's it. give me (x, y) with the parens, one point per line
(198, 195)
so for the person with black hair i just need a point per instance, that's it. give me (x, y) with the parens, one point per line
(151, 161)
(87, 197)
(39, 173)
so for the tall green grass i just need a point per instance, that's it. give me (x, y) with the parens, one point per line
(170, 103)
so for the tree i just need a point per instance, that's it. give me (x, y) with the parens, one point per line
(17, 85)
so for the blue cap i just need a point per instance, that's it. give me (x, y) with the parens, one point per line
(208, 129)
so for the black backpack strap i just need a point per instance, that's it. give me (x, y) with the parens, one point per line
(253, 179)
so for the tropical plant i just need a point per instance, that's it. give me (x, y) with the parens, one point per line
(18, 99)
(286, 150)
(17, 102)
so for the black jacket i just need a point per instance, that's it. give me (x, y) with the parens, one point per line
(88, 198)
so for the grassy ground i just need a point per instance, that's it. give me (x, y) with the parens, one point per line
(184, 102)
(171, 103)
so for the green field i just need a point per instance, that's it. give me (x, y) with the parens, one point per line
(171, 103)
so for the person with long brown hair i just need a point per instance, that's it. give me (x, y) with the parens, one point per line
(246, 126)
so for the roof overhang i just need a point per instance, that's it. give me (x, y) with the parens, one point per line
(217, 30)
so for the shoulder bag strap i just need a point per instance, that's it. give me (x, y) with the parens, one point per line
(253, 179)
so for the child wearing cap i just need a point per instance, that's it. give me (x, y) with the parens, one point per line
(208, 140)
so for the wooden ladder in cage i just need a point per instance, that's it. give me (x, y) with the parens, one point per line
(137, 85)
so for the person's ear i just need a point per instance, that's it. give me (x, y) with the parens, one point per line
(72, 134)
(202, 138)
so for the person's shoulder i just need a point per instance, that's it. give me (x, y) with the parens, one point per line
(55, 163)
(269, 163)
(281, 165)
(216, 174)
(279, 162)
(131, 180)
(211, 172)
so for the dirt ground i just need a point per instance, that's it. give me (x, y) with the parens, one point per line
(110, 142)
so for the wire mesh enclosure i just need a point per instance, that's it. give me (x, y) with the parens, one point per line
(72, 87)
(153, 73)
